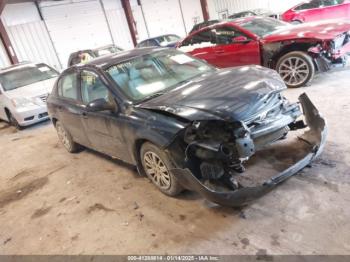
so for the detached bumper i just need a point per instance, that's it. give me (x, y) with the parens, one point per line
(315, 136)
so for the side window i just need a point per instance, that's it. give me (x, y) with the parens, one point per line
(202, 37)
(143, 44)
(92, 87)
(225, 35)
(67, 86)
(332, 2)
(312, 4)
(151, 43)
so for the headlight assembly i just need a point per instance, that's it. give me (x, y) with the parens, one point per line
(22, 102)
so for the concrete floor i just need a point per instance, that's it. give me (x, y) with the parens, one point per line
(52, 202)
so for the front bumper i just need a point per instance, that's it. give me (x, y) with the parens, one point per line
(26, 116)
(315, 136)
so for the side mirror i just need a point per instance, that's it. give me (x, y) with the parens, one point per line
(100, 105)
(240, 39)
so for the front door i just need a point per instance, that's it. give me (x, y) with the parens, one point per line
(102, 128)
(233, 48)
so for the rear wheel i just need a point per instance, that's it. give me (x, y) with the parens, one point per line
(157, 168)
(66, 139)
(296, 69)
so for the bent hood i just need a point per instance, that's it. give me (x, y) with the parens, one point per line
(323, 30)
(232, 94)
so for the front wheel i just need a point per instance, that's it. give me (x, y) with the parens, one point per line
(13, 121)
(296, 69)
(157, 167)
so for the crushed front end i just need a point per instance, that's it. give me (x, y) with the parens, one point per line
(333, 53)
(217, 152)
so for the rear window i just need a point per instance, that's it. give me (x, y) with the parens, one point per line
(26, 75)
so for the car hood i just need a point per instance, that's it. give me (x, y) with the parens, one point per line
(323, 30)
(229, 94)
(34, 90)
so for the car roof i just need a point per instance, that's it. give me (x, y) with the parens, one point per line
(152, 38)
(111, 59)
(235, 21)
(17, 66)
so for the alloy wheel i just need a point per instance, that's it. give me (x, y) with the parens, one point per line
(157, 170)
(294, 71)
(63, 136)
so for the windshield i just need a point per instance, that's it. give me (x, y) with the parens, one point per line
(263, 26)
(26, 75)
(153, 74)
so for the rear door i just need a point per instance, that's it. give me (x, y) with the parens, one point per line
(70, 108)
(200, 45)
(232, 50)
(102, 128)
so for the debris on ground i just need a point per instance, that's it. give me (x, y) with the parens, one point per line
(40, 212)
(136, 206)
(7, 240)
(140, 216)
(98, 207)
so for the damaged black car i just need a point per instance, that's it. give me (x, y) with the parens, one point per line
(185, 124)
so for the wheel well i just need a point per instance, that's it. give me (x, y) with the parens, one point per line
(137, 148)
(303, 47)
(54, 120)
(7, 111)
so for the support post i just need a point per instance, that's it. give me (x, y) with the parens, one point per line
(130, 20)
(5, 38)
(205, 11)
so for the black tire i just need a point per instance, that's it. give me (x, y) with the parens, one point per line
(302, 74)
(66, 139)
(13, 121)
(171, 186)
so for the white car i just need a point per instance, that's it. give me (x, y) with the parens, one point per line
(23, 92)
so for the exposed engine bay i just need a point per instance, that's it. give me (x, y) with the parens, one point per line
(216, 151)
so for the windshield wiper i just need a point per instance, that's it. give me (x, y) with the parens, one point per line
(152, 96)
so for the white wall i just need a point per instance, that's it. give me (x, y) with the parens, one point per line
(28, 34)
(231, 6)
(118, 23)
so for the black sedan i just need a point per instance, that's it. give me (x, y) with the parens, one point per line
(182, 122)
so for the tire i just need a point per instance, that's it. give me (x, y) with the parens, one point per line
(296, 69)
(156, 165)
(66, 139)
(13, 121)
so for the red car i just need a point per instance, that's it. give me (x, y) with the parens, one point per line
(294, 51)
(316, 10)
